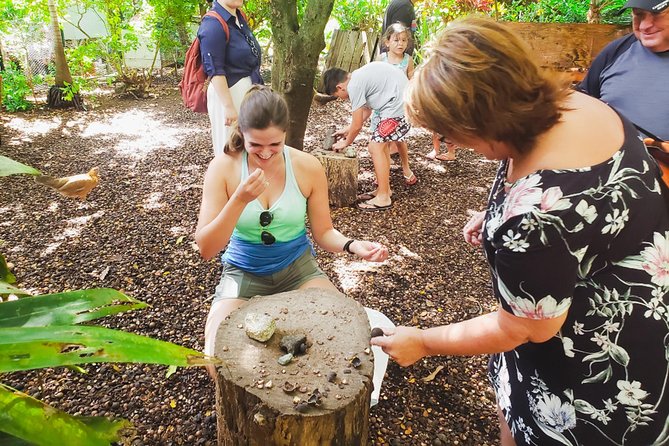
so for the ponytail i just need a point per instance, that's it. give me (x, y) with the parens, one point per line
(235, 142)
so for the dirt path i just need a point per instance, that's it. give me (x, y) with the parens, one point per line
(134, 233)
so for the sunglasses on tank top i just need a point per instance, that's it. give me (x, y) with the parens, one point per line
(266, 218)
(252, 44)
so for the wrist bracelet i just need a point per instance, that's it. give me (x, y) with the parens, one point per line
(347, 246)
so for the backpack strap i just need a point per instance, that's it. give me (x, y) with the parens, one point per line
(223, 23)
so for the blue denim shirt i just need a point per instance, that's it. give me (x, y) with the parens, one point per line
(234, 59)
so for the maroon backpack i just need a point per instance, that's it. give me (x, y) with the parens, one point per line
(193, 85)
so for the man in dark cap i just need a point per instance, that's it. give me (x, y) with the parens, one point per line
(632, 73)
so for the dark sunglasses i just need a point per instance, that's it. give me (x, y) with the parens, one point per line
(252, 44)
(266, 218)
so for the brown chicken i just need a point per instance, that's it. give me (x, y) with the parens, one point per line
(74, 186)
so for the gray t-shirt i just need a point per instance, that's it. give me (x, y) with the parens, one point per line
(635, 82)
(379, 86)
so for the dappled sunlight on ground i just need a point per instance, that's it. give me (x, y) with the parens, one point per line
(349, 272)
(143, 133)
(73, 227)
(36, 127)
(153, 201)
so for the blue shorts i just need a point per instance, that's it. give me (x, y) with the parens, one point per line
(238, 284)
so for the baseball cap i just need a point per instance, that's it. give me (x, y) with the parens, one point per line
(648, 5)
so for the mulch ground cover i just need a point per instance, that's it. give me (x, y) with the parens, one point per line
(134, 233)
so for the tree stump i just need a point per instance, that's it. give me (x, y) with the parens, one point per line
(342, 174)
(320, 398)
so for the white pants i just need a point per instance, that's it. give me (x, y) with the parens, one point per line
(219, 131)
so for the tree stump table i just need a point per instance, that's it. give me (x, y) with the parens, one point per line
(342, 174)
(321, 397)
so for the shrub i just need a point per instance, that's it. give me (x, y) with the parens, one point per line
(15, 89)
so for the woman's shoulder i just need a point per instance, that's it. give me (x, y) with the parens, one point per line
(226, 163)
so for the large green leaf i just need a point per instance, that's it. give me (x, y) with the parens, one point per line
(69, 308)
(10, 167)
(27, 348)
(6, 288)
(5, 274)
(35, 422)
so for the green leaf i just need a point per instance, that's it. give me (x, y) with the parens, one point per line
(10, 167)
(602, 377)
(584, 407)
(171, 370)
(35, 422)
(8, 440)
(27, 348)
(596, 357)
(6, 288)
(69, 308)
(619, 354)
(5, 274)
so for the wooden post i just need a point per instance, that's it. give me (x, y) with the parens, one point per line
(252, 401)
(342, 174)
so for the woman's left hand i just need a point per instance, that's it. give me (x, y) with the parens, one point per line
(370, 251)
(404, 345)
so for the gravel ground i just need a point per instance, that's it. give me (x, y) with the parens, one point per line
(134, 233)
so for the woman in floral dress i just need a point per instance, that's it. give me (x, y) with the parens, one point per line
(576, 233)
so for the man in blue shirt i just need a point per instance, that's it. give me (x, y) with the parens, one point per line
(232, 65)
(631, 73)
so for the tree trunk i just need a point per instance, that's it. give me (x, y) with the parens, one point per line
(321, 397)
(297, 47)
(594, 14)
(55, 98)
(342, 174)
(62, 70)
(184, 38)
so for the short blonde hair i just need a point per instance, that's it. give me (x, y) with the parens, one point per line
(481, 81)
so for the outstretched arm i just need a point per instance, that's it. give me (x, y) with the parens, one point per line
(359, 117)
(495, 332)
(318, 211)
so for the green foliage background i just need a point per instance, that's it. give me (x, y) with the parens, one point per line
(169, 25)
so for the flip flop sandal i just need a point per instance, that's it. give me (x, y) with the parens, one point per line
(411, 180)
(372, 207)
(444, 157)
(365, 197)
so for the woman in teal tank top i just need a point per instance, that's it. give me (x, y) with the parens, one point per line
(255, 200)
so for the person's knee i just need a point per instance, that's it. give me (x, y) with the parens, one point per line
(377, 148)
(218, 312)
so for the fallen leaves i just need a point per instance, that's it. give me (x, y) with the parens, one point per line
(433, 375)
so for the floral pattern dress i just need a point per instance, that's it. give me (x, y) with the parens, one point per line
(592, 242)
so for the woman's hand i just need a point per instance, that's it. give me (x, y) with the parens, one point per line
(662, 145)
(473, 229)
(404, 345)
(341, 133)
(230, 115)
(339, 145)
(251, 189)
(370, 251)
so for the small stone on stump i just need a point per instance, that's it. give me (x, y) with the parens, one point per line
(259, 326)
(307, 404)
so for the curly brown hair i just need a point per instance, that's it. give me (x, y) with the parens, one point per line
(481, 81)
